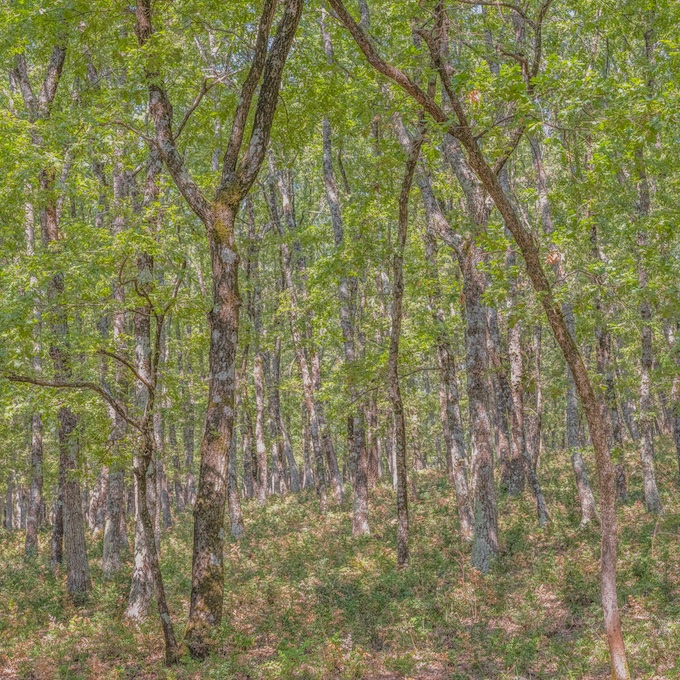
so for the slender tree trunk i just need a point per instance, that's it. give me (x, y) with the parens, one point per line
(448, 393)
(393, 361)
(115, 534)
(35, 499)
(535, 419)
(258, 378)
(143, 462)
(308, 470)
(360, 525)
(652, 500)
(233, 500)
(281, 449)
(188, 425)
(73, 529)
(517, 391)
(305, 371)
(141, 588)
(485, 542)
(574, 443)
(35, 494)
(452, 426)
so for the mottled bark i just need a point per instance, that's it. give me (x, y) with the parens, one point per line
(652, 500)
(35, 493)
(35, 498)
(517, 391)
(261, 446)
(308, 470)
(239, 171)
(115, 532)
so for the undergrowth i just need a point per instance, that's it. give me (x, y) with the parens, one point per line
(303, 599)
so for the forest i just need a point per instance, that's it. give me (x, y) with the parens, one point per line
(339, 339)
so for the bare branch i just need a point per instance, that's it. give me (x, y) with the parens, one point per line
(247, 92)
(127, 364)
(116, 404)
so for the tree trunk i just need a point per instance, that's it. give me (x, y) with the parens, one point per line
(235, 514)
(574, 443)
(35, 498)
(393, 360)
(452, 426)
(308, 470)
(207, 588)
(360, 526)
(35, 495)
(115, 534)
(258, 379)
(652, 500)
(517, 416)
(306, 374)
(72, 531)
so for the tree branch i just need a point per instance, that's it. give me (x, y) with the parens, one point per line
(117, 405)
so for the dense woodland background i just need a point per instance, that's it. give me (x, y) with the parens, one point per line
(339, 340)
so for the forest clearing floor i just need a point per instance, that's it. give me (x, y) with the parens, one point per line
(304, 599)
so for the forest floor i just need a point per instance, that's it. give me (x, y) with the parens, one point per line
(306, 600)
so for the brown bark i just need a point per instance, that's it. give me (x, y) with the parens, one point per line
(393, 361)
(452, 426)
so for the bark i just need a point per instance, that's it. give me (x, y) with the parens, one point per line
(141, 475)
(305, 370)
(574, 441)
(178, 490)
(360, 525)
(73, 528)
(502, 403)
(452, 426)
(485, 542)
(514, 481)
(115, 532)
(308, 470)
(535, 418)
(517, 391)
(35, 498)
(393, 360)
(373, 443)
(235, 514)
(249, 454)
(258, 379)
(652, 500)
(35, 493)
(141, 588)
(471, 258)
(281, 448)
